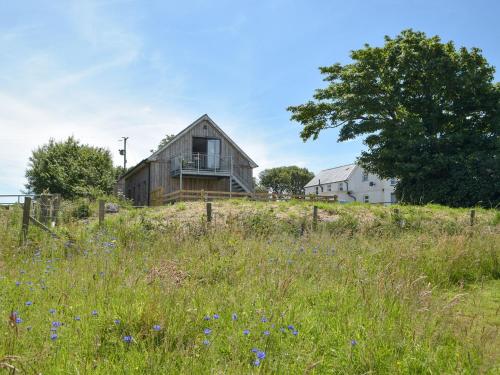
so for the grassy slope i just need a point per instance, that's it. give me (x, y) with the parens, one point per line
(417, 294)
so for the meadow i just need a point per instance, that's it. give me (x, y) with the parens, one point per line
(257, 290)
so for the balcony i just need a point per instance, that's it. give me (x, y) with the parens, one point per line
(199, 164)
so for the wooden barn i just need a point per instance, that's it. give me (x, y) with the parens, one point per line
(201, 157)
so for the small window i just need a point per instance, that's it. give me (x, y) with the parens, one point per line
(329, 187)
(365, 176)
(341, 186)
(366, 199)
(393, 181)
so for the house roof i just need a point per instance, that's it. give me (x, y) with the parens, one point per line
(205, 117)
(336, 174)
(134, 169)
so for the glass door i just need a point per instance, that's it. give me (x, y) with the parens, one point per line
(213, 153)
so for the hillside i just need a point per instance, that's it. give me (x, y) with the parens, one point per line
(258, 289)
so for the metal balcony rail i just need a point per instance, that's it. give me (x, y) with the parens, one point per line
(199, 163)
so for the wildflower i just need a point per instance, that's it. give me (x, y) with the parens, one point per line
(77, 318)
(255, 350)
(207, 331)
(282, 329)
(117, 321)
(354, 343)
(256, 362)
(234, 316)
(246, 332)
(53, 336)
(18, 283)
(291, 328)
(28, 303)
(94, 312)
(261, 355)
(206, 342)
(295, 333)
(216, 316)
(52, 311)
(157, 327)
(18, 320)
(264, 319)
(207, 318)
(266, 333)
(127, 339)
(56, 324)
(53, 329)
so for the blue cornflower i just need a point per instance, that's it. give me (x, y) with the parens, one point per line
(246, 332)
(216, 316)
(255, 350)
(77, 318)
(117, 321)
(354, 342)
(207, 318)
(53, 329)
(52, 311)
(28, 303)
(94, 312)
(295, 333)
(291, 328)
(18, 283)
(261, 355)
(256, 362)
(266, 333)
(56, 324)
(53, 336)
(206, 342)
(264, 319)
(207, 331)
(157, 327)
(18, 320)
(127, 339)
(234, 316)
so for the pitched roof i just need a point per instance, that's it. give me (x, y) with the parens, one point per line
(196, 122)
(336, 174)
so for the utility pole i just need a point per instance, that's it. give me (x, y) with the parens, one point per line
(124, 152)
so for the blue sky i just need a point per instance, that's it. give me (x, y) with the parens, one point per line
(100, 70)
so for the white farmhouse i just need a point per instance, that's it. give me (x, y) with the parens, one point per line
(350, 183)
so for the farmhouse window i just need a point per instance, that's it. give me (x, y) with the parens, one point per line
(329, 187)
(393, 181)
(341, 186)
(365, 176)
(366, 199)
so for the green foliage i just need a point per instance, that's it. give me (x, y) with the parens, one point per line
(285, 180)
(430, 115)
(70, 169)
(164, 142)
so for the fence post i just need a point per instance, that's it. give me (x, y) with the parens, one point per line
(397, 217)
(209, 212)
(101, 212)
(26, 220)
(472, 216)
(315, 217)
(56, 203)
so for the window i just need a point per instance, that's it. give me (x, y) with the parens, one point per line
(341, 186)
(393, 198)
(393, 181)
(365, 176)
(366, 199)
(329, 187)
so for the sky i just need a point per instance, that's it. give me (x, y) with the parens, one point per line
(103, 69)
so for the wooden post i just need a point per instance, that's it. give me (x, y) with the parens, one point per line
(209, 212)
(472, 216)
(397, 217)
(26, 220)
(101, 212)
(56, 203)
(315, 217)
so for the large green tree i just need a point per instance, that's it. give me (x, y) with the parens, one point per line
(285, 180)
(70, 169)
(429, 114)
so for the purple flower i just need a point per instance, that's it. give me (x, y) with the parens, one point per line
(261, 355)
(246, 332)
(127, 339)
(77, 318)
(291, 328)
(234, 316)
(18, 320)
(266, 333)
(53, 336)
(256, 362)
(94, 312)
(255, 350)
(157, 327)
(295, 333)
(56, 324)
(206, 342)
(354, 343)
(117, 321)
(264, 319)
(52, 311)
(207, 331)
(28, 303)
(18, 283)
(207, 318)
(216, 316)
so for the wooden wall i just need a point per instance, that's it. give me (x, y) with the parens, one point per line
(160, 169)
(137, 186)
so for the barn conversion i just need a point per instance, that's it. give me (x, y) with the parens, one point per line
(350, 183)
(201, 157)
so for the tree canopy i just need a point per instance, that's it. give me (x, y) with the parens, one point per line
(429, 114)
(70, 169)
(285, 180)
(164, 141)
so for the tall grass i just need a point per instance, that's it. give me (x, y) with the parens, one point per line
(357, 296)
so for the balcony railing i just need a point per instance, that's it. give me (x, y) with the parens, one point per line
(200, 164)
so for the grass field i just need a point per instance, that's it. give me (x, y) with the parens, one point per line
(258, 290)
